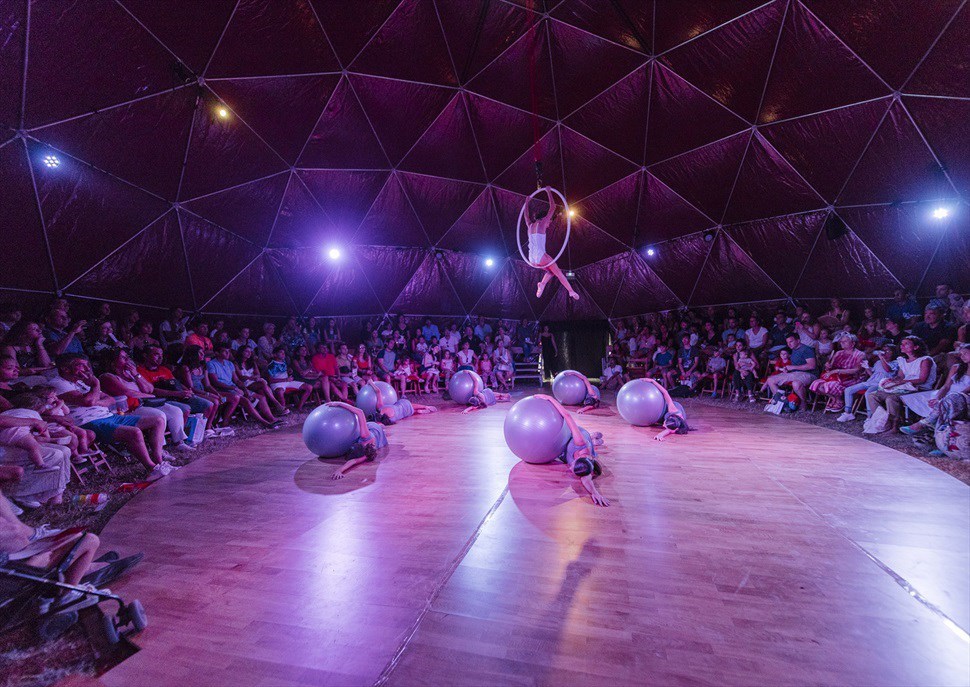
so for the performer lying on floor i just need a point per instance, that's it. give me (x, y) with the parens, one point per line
(580, 452)
(673, 420)
(482, 397)
(395, 412)
(372, 437)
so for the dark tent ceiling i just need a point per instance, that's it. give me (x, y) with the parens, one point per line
(719, 134)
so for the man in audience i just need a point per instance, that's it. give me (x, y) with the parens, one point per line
(172, 330)
(778, 334)
(451, 340)
(904, 308)
(430, 330)
(58, 338)
(243, 340)
(732, 328)
(92, 409)
(385, 362)
(935, 333)
(200, 337)
(482, 329)
(948, 302)
(800, 372)
(9, 316)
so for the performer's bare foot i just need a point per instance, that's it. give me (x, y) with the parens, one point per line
(574, 295)
(542, 287)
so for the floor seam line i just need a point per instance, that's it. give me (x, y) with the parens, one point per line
(456, 561)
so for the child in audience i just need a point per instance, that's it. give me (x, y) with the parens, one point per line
(447, 366)
(429, 371)
(60, 424)
(486, 371)
(466, 357)
(884, 367)
(404, 372)
(744, 372)
(31, 439)
(663, 364)
(363, 364)
(779, 364)
(345, 369)
(714, 370)
(281, 380)
(613, 376)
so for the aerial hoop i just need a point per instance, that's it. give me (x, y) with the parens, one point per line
(518, 226)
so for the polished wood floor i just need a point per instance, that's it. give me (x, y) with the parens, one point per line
(754, 551)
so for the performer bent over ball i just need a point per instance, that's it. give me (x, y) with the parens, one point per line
(363, 450)
(580, 452)
(483, 397)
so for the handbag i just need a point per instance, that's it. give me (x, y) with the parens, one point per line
(876, 423)
(195, 428)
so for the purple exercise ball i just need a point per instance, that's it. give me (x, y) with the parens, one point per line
(462, 384)
(640, 403)
(330, 431)
(568, 388)
(535, 431)
(367, 399)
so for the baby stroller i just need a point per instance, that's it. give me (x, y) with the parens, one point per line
(38, 599)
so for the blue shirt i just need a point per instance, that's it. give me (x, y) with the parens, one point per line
(430, 330)
(54, 336)
(904, 311)
(663, 359)
(802, 355)
(277, 369)
(222, 370)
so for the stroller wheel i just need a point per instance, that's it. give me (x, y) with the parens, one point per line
(135, 613)
(110, 630)
(54, 626)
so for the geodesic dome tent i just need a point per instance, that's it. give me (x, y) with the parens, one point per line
(210, 154)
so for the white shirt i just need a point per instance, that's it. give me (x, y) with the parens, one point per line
(756, 340)
(81, 414)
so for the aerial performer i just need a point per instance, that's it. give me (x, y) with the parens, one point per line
(538, 257)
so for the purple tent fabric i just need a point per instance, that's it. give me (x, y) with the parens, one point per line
(212, 159)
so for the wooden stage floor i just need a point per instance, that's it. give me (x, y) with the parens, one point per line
(754, 551)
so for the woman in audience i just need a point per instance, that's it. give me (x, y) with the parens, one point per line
(267, 342)
(363, 364)
(883, 368)
(105, 340)
(121, 378)
(143, 335)
(191, 372)
(126, 328)
(837, 316)
(221, 377)
(504, 371)
(429, 372)
(926, 403)
(249, 375)
(467, 360)
(312, 334)
(25, 343)
(842, 370)
(292, 334)
(916, 372)
(550, 351)
(26, 443)
(755, 337)
(331, 334)
(172, 330)
(242, 340)
(345, 369)
(166, 386)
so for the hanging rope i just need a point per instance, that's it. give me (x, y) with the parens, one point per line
(534, 92)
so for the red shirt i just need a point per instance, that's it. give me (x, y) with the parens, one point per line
(153, 376)
(194, 339)
(325, 364)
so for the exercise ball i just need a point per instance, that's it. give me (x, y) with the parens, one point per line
(640, 403)
(367, 399)
(569, 389)
(330, 431)
(535, 431)
(462, 384)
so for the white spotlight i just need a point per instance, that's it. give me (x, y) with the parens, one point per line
(334, 253)
(651, 252)
(941, 213)
(52, 161)
(572, 213)
(489, 262)
(223, 113)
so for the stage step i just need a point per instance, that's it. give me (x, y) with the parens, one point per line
(528, 371)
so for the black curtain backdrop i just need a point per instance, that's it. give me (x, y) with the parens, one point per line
(581, 346)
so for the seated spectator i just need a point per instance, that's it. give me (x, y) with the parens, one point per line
(25, 343)
(172, 330)
(26, 444)
(312, 333)
(663, 364)
(778, 334)
(10, 315)
(126, 328)
(430, 330)
(952, 405)
(59, 423)
(303, 370)
(292, 334)
(613, 376)
(936, 333)
(781, 362)
(281, 381)
(824, 344)
(916, 371)
(502, 360)
(9, 380)
(121, 378)
(755, 337)
(242, 340)
(800, 372)
(191, 373)
(714, 370)
(486, 370)
(428, 371)
(385, 362)
(404, 372)
(251, 380)
(92, 409)
(375, 345)
(363, 364)
(926, 403)
(325, 362)
(467, 360)
(836, 316)
(105, 339)
(688, 362)
(165, 385)
(199, 336)
(745, 371)
(867, 336)
(904, 308)
(143, 335)
(872, 375)
(947, 302)
(267, 343)
(221, 378)
(331, 334)
(60, 336)
(842, 370)
(731, 328)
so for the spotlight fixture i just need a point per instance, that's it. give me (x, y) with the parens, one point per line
(572, 213)
(651, 252)
(570, 274)
(334, 253)
(941, 213)
(52, 161)
(222, 112)
(709, 236)
(489, 262)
